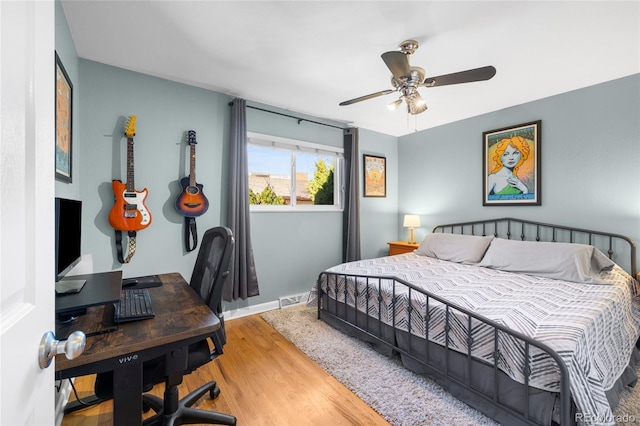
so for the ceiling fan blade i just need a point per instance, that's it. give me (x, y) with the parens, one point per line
(397, 63)
(477, 74)
(364, 98)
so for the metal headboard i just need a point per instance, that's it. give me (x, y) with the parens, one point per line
(616, 246)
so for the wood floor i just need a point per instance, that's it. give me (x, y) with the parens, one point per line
(264, 379)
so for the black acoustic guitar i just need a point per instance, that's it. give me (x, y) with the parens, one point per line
(191, 202)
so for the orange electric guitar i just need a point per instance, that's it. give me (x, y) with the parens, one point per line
(191, 202)
(129, 212)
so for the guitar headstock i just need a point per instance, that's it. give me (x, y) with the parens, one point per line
(130, 127)
(191, 137)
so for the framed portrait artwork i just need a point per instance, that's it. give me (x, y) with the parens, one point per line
(511, 166)
(375, 176)
(63, 120)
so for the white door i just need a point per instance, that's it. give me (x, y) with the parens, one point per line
(27, 61)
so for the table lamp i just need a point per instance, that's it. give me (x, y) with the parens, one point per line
(411, 221)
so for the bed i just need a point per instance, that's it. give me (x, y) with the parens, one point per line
(529, 323)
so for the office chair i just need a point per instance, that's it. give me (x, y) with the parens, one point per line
(209, 275)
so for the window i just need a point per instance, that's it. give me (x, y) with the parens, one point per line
(290, 175)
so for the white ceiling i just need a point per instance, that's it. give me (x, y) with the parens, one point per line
(307, 56)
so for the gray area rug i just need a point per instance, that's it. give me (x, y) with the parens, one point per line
(400, 396)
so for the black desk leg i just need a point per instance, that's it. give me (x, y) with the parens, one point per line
(127, 395)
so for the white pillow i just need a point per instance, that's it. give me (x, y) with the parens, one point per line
(562, 261)
(458, 248)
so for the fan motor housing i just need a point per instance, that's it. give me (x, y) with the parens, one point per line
(414, 79)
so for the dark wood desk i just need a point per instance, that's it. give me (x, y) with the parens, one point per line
(182, 318)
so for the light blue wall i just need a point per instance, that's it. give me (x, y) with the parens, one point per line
(379, 216)
(290, 249)
(590, 178)
(165, 112)
(66, 51)
(590, 157)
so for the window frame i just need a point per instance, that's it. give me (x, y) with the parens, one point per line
(293, 147)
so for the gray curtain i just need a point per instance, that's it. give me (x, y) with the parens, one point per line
(351, 214)
(242, 281)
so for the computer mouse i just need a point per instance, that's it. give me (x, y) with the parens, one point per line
(129, 282)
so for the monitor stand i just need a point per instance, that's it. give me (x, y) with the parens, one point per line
(100, 289)
(69, 286)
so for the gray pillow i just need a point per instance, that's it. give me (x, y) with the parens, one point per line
(562, 261)
(458, 248)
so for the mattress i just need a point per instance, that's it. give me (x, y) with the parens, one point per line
(593, 327)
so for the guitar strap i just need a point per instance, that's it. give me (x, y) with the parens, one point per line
(132, 246)
(190, 233)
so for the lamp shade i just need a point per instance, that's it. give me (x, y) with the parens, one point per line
(411, 221)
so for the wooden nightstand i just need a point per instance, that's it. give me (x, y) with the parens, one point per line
(400, 247)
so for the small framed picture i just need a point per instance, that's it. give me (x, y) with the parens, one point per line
(63, 120)
(375, 176)
(511, 166)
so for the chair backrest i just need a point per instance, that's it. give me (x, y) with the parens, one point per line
(212, 266)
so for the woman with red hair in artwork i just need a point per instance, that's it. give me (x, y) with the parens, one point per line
(509, 155)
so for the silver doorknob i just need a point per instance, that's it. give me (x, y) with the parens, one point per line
(50, 347)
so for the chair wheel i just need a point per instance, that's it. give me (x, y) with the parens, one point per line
(214, 393)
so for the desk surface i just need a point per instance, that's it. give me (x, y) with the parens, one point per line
(181, 318)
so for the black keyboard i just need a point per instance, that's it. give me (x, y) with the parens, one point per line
(135, 304)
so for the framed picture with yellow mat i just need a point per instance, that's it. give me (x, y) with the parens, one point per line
(375, 176)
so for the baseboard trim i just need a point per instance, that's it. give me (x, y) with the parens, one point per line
(250, 310)
(263, 307)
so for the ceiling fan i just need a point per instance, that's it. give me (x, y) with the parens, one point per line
(406, 79)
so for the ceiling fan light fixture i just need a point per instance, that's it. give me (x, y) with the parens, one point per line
(415, 108)
(395, 104)
(416, 104)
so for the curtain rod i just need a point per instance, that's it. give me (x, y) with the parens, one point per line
(291, 116)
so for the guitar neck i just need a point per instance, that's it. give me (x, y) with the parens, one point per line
(130, 179)
(192, 165)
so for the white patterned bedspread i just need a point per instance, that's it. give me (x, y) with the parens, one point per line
(592, 327)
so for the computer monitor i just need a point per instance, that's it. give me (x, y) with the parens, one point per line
(68, 230)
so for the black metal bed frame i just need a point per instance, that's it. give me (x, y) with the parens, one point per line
(604, 241)
(360, 322)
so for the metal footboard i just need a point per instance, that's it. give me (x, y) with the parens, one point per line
(390, 295)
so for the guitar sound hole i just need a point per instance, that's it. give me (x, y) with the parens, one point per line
(192, 190)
